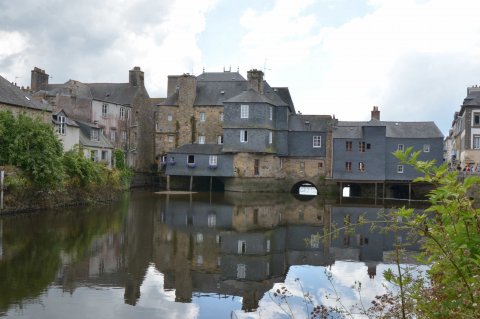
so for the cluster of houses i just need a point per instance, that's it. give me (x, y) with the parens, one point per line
(242, 134)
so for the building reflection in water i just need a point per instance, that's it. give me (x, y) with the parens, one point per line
(236, 245)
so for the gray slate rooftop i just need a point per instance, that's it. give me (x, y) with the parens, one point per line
(250, 96)
(318, 123)
(12, 95)
(347, 129)
(85, 140)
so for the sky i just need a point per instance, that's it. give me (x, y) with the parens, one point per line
(414, 59)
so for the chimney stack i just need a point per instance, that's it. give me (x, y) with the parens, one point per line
(255, 80)
(375, 113)
(38, 80)
(136, 77)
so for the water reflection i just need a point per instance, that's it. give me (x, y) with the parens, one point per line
(200, 255)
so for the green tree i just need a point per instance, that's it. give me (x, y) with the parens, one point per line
(33, 146)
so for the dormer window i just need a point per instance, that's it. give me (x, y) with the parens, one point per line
(94, 134)
(61, 125)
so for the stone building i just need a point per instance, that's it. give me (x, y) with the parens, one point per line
(14, 99)
(463, 142)
(122, 111)
(260, 140)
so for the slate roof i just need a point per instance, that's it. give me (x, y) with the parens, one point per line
(318, 123)
(214, 88)
(68, 120)
(473, 97)
(118, 93)
(250, 96)
(345, 129)
(211, 149)
(85, 140)
(12, 95)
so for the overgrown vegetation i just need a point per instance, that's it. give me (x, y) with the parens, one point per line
(32, 146)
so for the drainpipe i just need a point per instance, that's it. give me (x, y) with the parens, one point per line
(2, 176)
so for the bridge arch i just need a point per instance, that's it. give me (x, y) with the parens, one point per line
(304, 188)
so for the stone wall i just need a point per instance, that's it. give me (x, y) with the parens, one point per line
(45, 116)
(212, 126)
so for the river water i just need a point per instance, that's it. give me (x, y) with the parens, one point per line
(218, 255)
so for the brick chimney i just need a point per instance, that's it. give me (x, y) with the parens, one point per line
(136, 77)
(375, 113)
(255, 80)
(38, 80)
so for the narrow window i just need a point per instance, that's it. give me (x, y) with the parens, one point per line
(113, 135)
(169, 117)
(170, 138)
(302, 165)
(361, 147)
(221, 116)
(270, 137)
(104, 155)
(348, 166)
(201, 139)
(220, 139)
(122, 113)
(242, 247)
(400, 147)
(348, 146)
(476, 118)
(202, 116)
(317, 141)
(94, 134)
(212, 220)
(270, 113)
(256, 167)
(255, 216)
(268, 246)
(476, 142)
(426, 148)
(320, 164)
(369, 146)
(61, 125)
(191, 159)
(104, 110)
(243, 136)
(361, 166)
(244, 111)
(400, 169)
(199, 238)
(124, 136)
(156, 126)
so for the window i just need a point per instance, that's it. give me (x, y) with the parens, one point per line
(104, 110)
(124, 136)
(476, 118)
(361, 166)
(268, 246)
(314, 241)
(242, 247)
(317, 141)
(348, 166)
(426, 148)
(270, 113)
(112, 135)
(369, 146)
(241, 271)
(199, 238)
(127, 113)
(94, 134)
(476, 142)
(221, 116)
(93, 155)
(270, 137)
(104, 155)
(170, 138)
(243, 136)
(156, 126)
(202, 116)
(61, 125)
(256, 167)
(220, 139)
(169, 117)
(400, 169)
(212, 160)
(400, 147)
(191, 159)
(302, 165)
(348, 146)
(211, 220)
(122, 113)
(361, 147)
(201, 139)
(244, 111)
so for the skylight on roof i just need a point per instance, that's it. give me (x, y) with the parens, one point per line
(27, 97)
